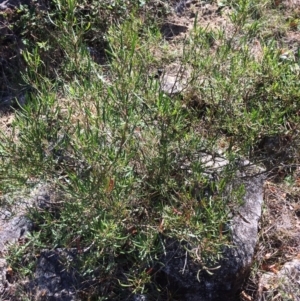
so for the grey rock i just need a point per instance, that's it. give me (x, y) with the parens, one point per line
(14, 229)
(174, 78)
(56, 278)
(10, 232)
(284, 284)
(171, 85)
(3, 281)
(15, 225)
(224, 279)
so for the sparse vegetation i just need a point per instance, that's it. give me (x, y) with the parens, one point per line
(125, 154)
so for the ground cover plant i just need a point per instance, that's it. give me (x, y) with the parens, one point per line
(125, 154)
